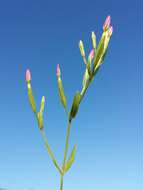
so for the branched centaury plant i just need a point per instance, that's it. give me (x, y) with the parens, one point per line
(93, 63)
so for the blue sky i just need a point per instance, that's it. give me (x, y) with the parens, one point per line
(109, 128)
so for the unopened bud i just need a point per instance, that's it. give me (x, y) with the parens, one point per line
(81, 47)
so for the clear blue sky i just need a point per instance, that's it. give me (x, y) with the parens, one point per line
(109, 128)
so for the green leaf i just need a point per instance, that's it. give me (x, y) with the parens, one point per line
(75, 105)
(70, 160)
(61, 93)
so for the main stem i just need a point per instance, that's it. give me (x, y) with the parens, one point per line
(67, 143)
(65, 152)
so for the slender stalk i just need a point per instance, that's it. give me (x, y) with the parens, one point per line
(50, 152)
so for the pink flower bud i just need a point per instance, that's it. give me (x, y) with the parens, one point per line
(28, 75)
(107, 22)
(110, 30)
(91, 55)
(58, 71)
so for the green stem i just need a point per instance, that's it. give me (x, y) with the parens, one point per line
(61, 183)
(65, 153)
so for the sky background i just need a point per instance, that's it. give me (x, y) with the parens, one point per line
(108, 130)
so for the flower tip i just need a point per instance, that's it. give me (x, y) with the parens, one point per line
(28, 75)
(107, 22)
(58, 73)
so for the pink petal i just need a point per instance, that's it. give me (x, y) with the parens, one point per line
(28, 75)
(91, 55)
(107, 22)
(110, 30)
(58, 71)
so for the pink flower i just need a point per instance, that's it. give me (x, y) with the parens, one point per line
(58, 71)
(110, 30)
(28, 75)
(107, 22)
(91, 55)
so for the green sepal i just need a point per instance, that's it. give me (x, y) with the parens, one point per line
(85, 78)
(31, 97)
(40, 120)
(70, 160)
(75, 105)
(61, 93)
